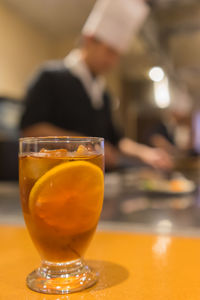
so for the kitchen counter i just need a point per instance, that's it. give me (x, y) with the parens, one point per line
(123, 211)
(125, 208)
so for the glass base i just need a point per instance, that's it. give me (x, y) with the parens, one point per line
(61, 278)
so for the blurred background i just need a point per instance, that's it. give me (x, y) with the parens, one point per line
(158, 80)
(34, 32)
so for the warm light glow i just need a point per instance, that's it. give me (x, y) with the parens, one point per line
(161, 246)
(164, 226)
(161, 93)
(156, 74)
(165, 223)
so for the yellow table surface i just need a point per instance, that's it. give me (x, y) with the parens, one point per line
(131, 266)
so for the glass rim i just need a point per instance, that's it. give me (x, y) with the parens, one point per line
(61, 138)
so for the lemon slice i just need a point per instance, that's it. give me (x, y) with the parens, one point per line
(68, 197)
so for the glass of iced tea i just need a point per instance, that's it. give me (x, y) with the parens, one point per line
(61, 187)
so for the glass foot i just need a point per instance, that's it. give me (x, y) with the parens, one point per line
(61, 278)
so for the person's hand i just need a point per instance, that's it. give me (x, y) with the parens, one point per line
(157, 158)
(154, 157)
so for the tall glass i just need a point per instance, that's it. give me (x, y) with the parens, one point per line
(61, 187)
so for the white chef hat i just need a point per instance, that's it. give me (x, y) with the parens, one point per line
(115, 21)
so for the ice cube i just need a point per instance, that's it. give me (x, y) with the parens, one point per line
(54, 153)
(82, 150)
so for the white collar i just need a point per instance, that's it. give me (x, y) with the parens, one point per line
(94, 86)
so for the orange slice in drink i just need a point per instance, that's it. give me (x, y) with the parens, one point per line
(69, 197)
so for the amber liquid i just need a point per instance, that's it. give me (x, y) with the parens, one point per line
(56, 242)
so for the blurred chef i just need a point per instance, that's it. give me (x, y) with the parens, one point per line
(69, 97)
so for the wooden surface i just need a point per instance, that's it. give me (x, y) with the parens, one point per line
(131, 266)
